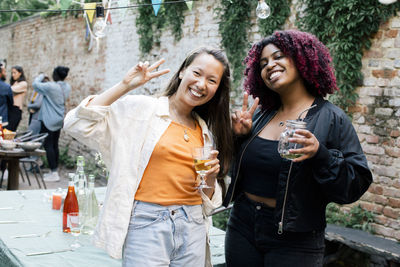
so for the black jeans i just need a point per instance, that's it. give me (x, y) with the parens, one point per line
(51, 146)
(252, 239)
(14, 117)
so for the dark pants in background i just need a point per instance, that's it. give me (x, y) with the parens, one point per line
(51, 146)
(14, 117)
(252, 239)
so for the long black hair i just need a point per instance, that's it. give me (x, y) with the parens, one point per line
(21, 78)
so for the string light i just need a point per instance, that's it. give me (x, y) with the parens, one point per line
(387, 2)
(263, 11)
(100, 23)
(82, 9)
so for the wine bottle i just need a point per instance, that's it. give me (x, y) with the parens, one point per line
(82, 195)
(80, 164)
(70, 204)
(92, 209)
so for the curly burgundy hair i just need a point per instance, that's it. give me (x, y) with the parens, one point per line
(312, 60)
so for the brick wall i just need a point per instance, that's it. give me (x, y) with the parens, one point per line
(41, 44)
(376, 119)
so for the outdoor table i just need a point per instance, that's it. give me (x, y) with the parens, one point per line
(37, 216)
(12, 157)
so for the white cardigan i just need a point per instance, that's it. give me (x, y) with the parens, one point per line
(126, 133)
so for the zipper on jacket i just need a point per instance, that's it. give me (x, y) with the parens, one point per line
(280, 224)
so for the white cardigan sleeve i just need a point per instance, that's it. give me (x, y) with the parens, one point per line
(209, 205)
(94, 126)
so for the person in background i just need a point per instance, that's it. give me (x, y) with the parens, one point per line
(34, 124)
(51, 114)
(278, 217)
(6, 103)
(6, 96)
(147, 144)
(19, 88)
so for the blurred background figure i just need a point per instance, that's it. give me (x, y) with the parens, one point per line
(6, 103)
(19, 88)
(6, 96)
(51, 114)
(34, 124)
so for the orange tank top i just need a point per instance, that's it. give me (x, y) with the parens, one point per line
(169, 178)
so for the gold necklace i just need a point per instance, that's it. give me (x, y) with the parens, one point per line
(185, 134)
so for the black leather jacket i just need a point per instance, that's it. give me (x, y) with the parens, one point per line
(337, 173)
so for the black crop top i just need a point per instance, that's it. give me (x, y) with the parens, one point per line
(260, 167)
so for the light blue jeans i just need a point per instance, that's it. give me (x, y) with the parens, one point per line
(165, 236)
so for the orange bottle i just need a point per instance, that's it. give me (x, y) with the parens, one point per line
(70, 204)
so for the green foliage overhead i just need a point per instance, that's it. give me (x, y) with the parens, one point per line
(9, 17)
(234, 24)
(346, 26)
(150, 27)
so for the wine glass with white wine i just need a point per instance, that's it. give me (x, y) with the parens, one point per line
(201, 155)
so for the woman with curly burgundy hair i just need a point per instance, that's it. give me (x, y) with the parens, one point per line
(278, 216)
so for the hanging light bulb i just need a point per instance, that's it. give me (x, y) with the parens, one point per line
(263, 11)
(100, 24)
(386, 2)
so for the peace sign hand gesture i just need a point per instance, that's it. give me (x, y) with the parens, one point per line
(142, 73)
(242, 119)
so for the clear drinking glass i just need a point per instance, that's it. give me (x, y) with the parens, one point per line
(75, 222)
(201, 155)
(284, 145)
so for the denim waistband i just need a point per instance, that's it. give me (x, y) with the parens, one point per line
(191, 211)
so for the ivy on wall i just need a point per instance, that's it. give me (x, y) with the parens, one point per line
(149, 26)
(346, 26)
(235, 20)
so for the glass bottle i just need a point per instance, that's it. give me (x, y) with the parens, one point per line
(1, 128)
(82, 192)
(70, 204)
(92, 209)
(284, 145)
(80, 164)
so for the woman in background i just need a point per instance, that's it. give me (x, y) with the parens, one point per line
(19, 87)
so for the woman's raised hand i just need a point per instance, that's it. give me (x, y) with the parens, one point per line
(242, 119)
(142, 73)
